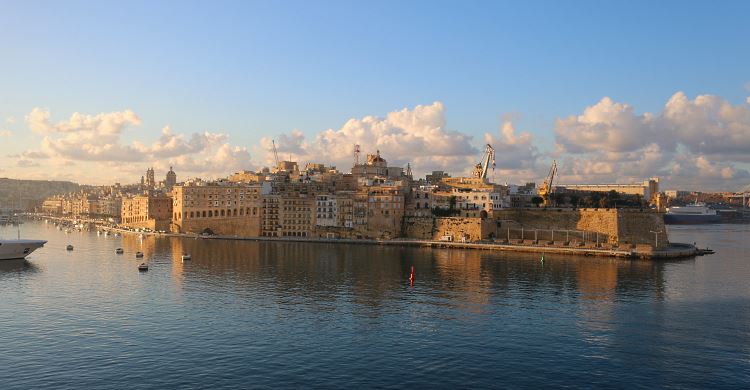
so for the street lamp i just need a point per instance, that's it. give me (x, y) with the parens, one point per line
(656, 237)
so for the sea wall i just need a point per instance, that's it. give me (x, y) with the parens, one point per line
(243, 226)
(429, 228)
(616, 226)
(635, 227)
(152, 224)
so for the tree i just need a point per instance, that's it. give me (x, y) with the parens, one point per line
(537, 200)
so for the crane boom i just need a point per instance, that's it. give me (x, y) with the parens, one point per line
(480, 170)
(275, 153)
(546, 187)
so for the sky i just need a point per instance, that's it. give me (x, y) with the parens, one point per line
(96, 92)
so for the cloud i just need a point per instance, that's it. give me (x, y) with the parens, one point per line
(10, 120)
(516, 156)
(170, 144)
(6, 133)
(418, 136)
(25, 163)
(706, 138)
(98, 139)
(104, 123)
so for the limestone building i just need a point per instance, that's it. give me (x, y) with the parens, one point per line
(147, 211)
(222, 208)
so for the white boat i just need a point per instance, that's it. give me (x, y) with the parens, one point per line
(138, 255)
(186, 257)
(18, 249)
(143, 267)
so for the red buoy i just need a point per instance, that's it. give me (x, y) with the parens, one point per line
(411, 276)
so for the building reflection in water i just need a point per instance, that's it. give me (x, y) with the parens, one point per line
(371, 279)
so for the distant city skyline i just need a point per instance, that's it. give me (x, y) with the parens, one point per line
(615, 92)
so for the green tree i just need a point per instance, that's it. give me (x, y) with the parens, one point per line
(537, 200)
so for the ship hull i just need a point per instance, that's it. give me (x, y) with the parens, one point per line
(677, 219)
(18, 249)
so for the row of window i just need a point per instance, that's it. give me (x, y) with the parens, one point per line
(216, 213)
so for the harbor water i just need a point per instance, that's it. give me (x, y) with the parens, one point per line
(245, 314)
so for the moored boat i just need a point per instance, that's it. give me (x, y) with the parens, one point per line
(18, 249)
(692, 214)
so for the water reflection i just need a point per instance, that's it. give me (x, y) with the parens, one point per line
(372, 276)
(15, 266)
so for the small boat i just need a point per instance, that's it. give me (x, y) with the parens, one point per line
(186, 257)
(69, 247)
(138, 255)
(143, 267)
(119, 251)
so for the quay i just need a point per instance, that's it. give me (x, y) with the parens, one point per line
(643, 252)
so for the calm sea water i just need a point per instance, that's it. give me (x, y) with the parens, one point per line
(280, 315)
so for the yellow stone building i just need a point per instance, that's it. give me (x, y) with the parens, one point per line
(220, 208)
(147, 211)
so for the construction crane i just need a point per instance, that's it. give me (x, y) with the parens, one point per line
(356, 155)
(745, 192)
(546, 187)
(275, 154)
(480, 170)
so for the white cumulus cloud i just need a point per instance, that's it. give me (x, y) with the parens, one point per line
(418, 136)
(689, 142)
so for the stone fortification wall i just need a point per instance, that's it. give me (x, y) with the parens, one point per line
(635, 227)
(152, 224)
(429, 228)
(242, 226)
(618, 225)
(419, 227)
(591, 220)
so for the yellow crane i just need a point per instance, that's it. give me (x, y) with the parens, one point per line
(546, 187)
(480, 170)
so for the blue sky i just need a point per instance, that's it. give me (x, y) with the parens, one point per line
(261, 69)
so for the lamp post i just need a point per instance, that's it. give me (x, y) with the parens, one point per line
(656, 237)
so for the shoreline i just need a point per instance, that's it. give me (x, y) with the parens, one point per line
(673, 251)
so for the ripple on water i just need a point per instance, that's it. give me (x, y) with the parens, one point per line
(248, 314)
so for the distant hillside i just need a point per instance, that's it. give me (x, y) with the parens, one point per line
(32, 192)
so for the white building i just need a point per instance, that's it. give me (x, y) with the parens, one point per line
(326, 210)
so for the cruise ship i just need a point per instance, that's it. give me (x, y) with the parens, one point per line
(18, 249)
(692, 214)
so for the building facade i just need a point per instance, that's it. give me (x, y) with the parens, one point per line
(217, 208)
(147, 211)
